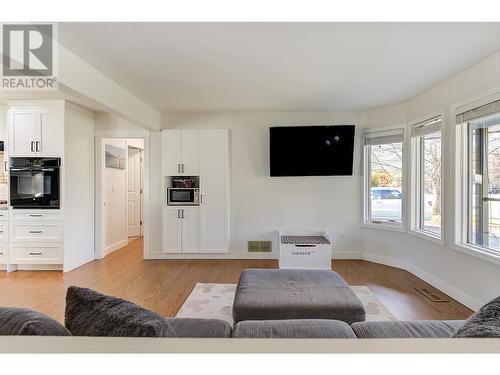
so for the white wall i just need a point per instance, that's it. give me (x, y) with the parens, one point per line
(79, 187)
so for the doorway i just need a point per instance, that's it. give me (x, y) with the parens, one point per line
(121, 177)
(135, 177)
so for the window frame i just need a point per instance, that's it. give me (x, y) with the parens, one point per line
(461, 183)
(366, 191)
(416, 204)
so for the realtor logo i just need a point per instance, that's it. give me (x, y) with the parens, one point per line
(28, 56)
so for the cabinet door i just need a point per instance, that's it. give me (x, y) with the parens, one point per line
(214, 234)
(214, 166)
(171, 151)
(22, 131)
(172, 230)
(191, 152)
(51, 132)
(190, 230)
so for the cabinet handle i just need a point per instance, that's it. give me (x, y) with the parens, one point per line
(178, 214)
(1, 254)
(1, 231)
(37, 146)
(5, 166)
(178, 168)
(182, 167)
(182, 214)
(32, 146)
(36, 231)
(36, 215)
(35, 253)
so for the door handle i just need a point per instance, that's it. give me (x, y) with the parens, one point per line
(32, 146)
(37, 146)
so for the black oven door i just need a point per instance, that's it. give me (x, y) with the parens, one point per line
(34, 187)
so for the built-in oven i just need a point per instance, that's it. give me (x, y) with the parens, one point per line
(35, 183)
(183, 196)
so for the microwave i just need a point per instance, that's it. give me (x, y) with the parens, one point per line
(183, 196)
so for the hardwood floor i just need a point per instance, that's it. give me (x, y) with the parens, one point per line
(163, 285)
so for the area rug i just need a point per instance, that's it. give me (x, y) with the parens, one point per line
(215, 301)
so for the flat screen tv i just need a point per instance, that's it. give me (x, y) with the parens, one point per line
(311, 150)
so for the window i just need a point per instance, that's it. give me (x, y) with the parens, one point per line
(384, 177)
(426, 208)
(481, 164)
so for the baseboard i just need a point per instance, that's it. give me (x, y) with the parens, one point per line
(347, 255)
(108, 250)
(161, 255)
(388, 261)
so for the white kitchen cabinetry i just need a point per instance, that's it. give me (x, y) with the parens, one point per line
(182, 230)
(35, 253)
(172, 230)
(4, 254)
(203, 228)
(181, 156)
(36, 131)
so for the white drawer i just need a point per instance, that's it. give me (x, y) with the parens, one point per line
(29, 231)
(4, 254)
(4, 215)
(35, 254)
(55, 215)
(4, 231)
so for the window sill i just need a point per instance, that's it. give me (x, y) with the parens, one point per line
(427, 236)
(478, 252)
(385, 226)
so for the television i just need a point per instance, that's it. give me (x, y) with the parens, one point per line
(311, 150)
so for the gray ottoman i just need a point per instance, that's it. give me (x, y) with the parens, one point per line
(295, 294)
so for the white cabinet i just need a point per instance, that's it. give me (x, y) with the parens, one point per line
(26, 253)
(190, 219)
(4, 231)
(181, 230)
(172, 230)
(214, 230)
(204, 153)
(181, 155)
(36, 131)
(4, 254)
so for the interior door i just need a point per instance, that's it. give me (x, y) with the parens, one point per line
(134, 192)
(51, 133)
(23, 132)
(172, 230)
(172, 157)
(190, 230)
(191, 152)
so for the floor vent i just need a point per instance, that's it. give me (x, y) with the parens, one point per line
(260, 246)
(434, 297)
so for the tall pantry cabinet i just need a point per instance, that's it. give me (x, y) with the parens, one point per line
(202, 153)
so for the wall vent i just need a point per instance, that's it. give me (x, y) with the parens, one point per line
(434, 297)
(260, 246)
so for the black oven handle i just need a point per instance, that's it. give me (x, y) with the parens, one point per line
(32, 169)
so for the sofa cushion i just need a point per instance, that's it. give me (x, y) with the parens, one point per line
(280, 294)
(484, 323)
(89, 313)
(191, 327)
(406, 329)
(291, 329)
(19, 321)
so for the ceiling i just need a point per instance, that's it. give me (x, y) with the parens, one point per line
(279, 66)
